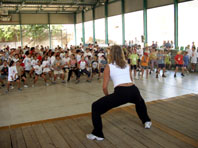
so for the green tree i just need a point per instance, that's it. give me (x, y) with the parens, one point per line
(9, 33)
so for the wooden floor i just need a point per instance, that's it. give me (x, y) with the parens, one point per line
(175, 125)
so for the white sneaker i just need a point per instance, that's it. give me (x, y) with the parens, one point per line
(93, 137)
(147, 125)
(11, 87)
(46, 84)
(25, 86)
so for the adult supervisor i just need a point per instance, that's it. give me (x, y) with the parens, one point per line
(124, 92)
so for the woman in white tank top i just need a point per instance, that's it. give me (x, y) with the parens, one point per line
(124, 92)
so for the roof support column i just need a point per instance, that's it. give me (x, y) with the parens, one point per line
(83, 27)
(50, 34)
(94, 32)
(75, 36)
(106, 23)
(176, 23)
(145, 22)
(21, 34)
(123, 22)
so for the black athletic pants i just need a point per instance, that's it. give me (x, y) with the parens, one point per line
(84, 71)
(70, 74)
(121, 95)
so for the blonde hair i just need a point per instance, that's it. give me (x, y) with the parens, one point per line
(117, 56)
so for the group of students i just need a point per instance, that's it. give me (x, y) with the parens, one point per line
(22, 65)
(151, 58)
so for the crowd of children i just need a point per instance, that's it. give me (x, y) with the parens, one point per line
(30, 64)
(23, 65)
(151, 59)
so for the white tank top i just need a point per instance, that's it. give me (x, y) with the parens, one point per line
(118, 75)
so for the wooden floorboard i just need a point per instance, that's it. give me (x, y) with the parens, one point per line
(5, 139)
(174, 126)
(42, 136)
(155, 133)
(85, 124)
(55, 136)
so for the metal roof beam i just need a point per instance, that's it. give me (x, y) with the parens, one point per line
(48, 3)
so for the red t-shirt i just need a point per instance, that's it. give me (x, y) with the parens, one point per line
(179, 59)
(39, 58)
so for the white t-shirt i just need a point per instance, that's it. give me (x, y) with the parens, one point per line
(189, 51)
(194, 56)
(34, 62)
(140, 52)
(46, 66)
(94, 64)
(52, 59)
(62, 55)
(78, 57)
(12, 72)
(27, 63)
(82, 64)
(87, 54)
(66, 61)
(100, 55)
(38, 69)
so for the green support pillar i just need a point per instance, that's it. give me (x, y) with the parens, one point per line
(94, 32)
(75, 29)
(145, 22)
(50, 34)
(123, 22)
(176, 23)
(21, 34)
(83, 27)
(106, 23)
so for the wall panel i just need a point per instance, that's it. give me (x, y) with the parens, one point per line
(133, 5)
(14, 20)
(88, 15)
(79, 18)
(61, 18)
(34, 19)
(100, 12)
(114, 8)
(157, 3)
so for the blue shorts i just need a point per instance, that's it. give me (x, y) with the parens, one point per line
(161, 66)
(179, 65)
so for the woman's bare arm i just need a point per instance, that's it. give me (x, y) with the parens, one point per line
(106, 80)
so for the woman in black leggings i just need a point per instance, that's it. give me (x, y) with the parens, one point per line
(124, 92)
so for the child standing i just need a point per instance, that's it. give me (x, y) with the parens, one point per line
(167, 59)
(144, 64)
(12, 76)
(186, 61)
(179, 63)
(161, 65)
(133, 62)
(193, 56)
(152, 59)
(4, 72)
